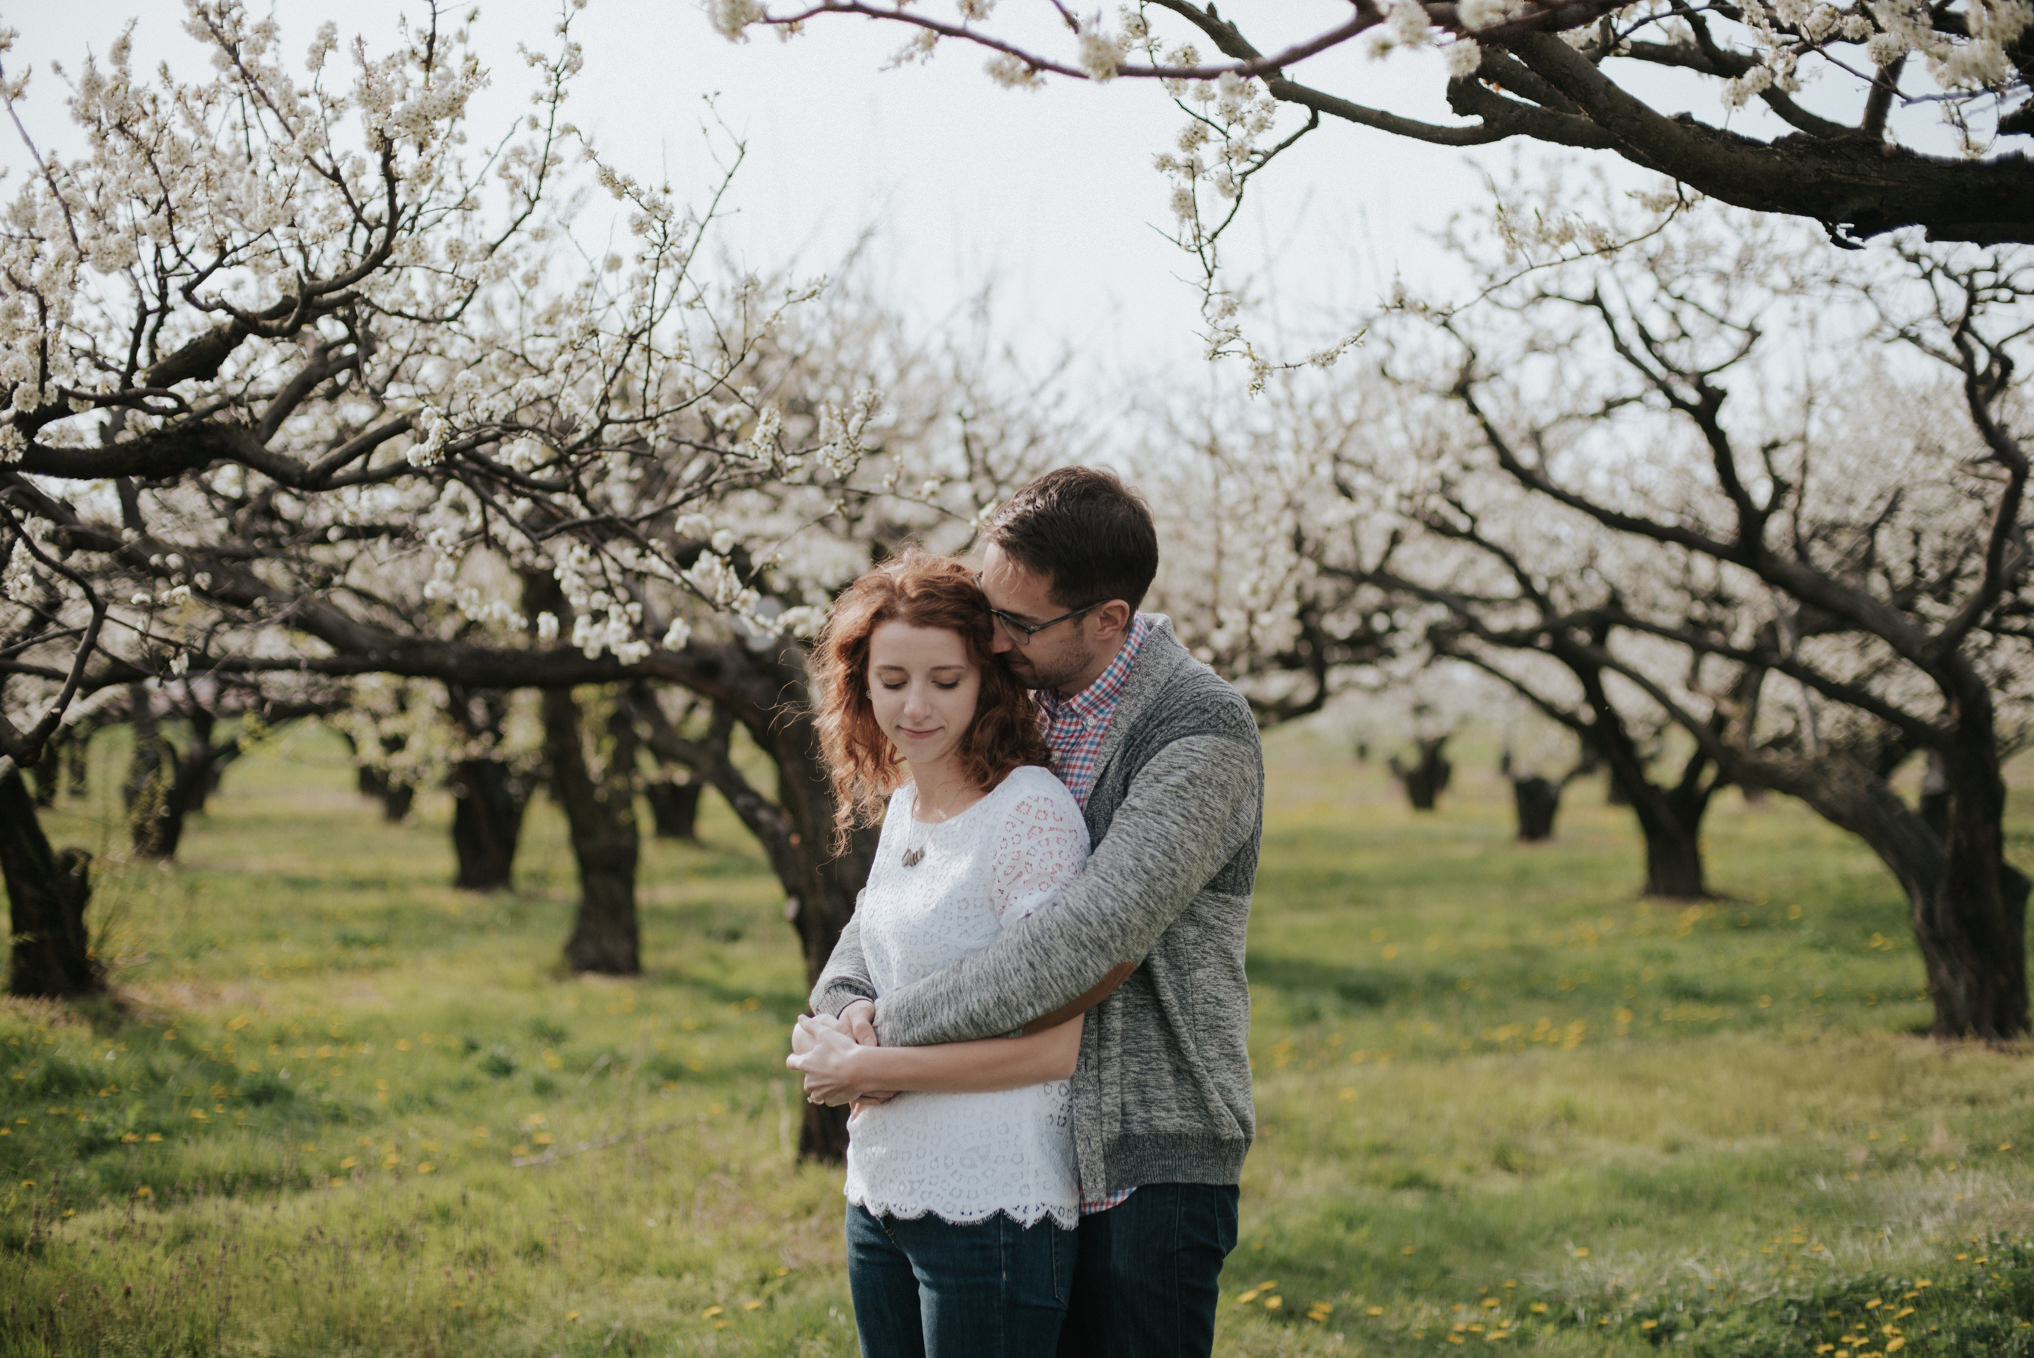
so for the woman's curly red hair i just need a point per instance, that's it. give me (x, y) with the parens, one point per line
(922, 590)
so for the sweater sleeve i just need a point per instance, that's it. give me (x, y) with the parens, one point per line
(845, 977)
(1186, 813)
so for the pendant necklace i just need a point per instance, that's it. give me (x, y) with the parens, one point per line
(914, 853)
(919, 838)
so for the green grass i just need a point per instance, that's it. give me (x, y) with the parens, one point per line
(344, 1109)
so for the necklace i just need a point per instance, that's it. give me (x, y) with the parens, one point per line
(916, 843)
(919, 838)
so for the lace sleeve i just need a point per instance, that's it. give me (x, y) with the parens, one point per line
(1041, 844)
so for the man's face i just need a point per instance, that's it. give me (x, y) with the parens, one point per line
(1065, 657)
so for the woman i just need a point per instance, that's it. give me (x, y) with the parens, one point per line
(962, 1198)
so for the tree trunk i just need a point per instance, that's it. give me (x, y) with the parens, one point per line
(1428, 776)
(1972, 935)
(1934, 803)
(204, 764)
(375, 783)
(1674, 868)
(46, 895)
(77, 749)
(1538, 800)
(1971, 921)
(488, 801)
(1966, 904)
(155, 802)
(824, 889)
(600, 811)
(1670, 820)
(674, 809)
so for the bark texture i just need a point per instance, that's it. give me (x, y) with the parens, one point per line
(47, 892)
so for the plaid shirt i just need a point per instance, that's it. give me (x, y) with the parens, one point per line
(1074, 728)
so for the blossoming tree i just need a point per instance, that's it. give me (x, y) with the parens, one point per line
(1715, 487)
(298, 387)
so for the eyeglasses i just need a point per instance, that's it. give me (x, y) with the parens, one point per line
(1021, 632)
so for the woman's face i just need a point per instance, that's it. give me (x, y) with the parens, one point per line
(923, 688)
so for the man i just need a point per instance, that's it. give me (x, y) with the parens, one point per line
(1164, 758)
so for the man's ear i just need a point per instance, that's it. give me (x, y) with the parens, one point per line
(1112, 620)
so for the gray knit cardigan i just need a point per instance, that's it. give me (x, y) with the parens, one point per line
(1162, 1092)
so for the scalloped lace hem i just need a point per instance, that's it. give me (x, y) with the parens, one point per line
(1064, 1217)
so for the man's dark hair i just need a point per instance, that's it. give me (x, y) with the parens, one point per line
(1085, 531)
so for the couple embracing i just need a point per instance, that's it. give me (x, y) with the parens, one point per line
(1038, 1009)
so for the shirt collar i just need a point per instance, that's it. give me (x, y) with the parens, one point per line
(1099, 698)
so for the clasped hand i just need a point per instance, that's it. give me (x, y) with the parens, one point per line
(824, 1050)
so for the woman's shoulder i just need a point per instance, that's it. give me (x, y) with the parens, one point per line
(1035, 795)
(1027, 781)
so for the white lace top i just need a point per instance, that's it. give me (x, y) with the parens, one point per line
(966, 1157)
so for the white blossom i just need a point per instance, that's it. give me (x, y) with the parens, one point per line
(1099, 54)
(731, 18)
(1014, 72)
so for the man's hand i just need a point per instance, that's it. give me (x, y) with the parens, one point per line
(859, 1018)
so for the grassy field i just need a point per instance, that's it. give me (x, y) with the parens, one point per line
(344, 1109)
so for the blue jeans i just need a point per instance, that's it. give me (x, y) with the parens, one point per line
(926, 1288)
(1146, 1277)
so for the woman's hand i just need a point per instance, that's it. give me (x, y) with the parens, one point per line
(824, 1051)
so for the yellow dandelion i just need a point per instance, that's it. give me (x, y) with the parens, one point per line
(752, 1306)
(712, 1311)
(572, 1315)
(144, 1192)
(1374, 1311)
(1273, 1303)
